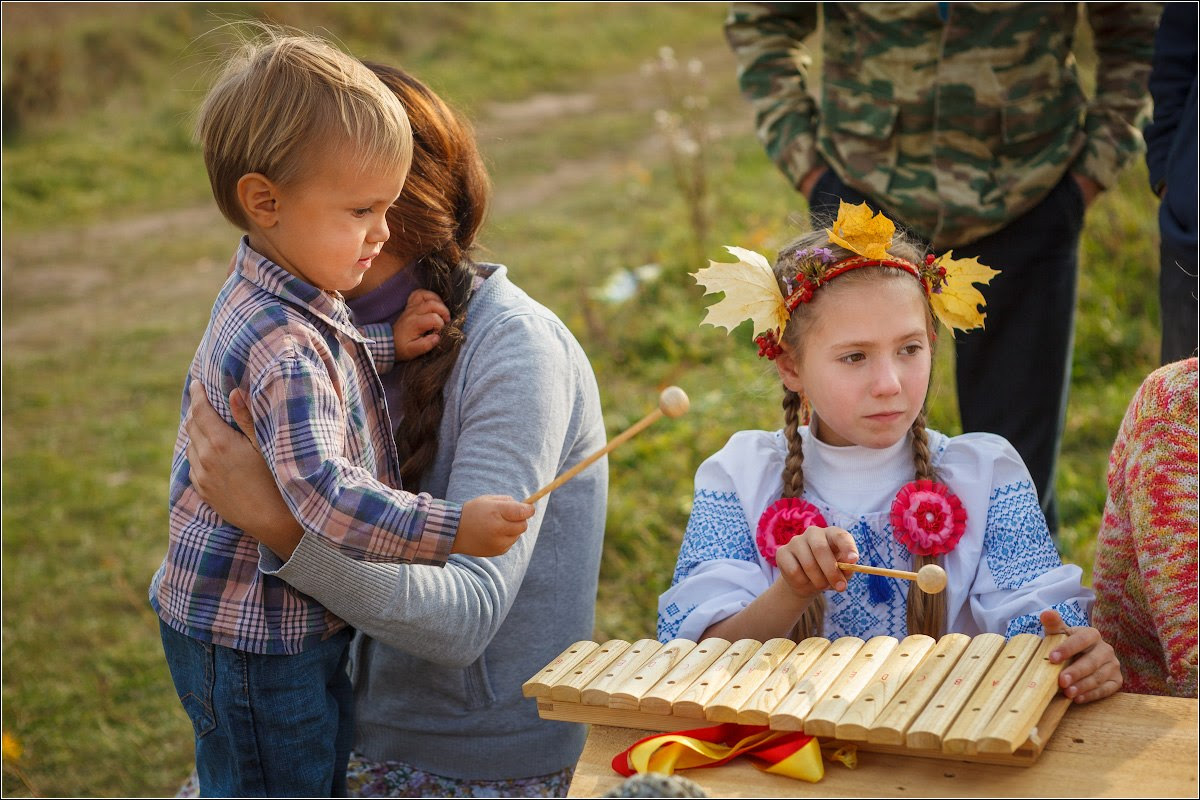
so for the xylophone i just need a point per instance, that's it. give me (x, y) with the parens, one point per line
(978, 698)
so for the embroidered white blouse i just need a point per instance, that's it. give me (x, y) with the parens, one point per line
(1004, 571)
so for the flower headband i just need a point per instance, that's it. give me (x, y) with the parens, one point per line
(751, 291)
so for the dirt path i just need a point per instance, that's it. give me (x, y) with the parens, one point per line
(69, 278)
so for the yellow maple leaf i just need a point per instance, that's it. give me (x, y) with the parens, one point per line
(751, 292)
(861, 231)
(957, 304)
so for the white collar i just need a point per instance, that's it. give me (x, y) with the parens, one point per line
(853, 479)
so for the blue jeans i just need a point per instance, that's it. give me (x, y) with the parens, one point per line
(266, 726)
(1014, 374)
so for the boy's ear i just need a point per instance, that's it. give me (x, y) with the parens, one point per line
(259, 198)
(787, 370)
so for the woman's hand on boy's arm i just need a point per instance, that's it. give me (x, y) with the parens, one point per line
(1095, 673)
(417, 329)
(230, 474)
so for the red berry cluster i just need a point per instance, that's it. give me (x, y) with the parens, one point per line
(768, 345)
(935, 277)
(801, 294)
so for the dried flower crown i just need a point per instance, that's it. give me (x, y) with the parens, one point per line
(751, 291)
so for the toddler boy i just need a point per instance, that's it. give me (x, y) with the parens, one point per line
(306, 150)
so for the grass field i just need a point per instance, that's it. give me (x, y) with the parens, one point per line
(112, 253)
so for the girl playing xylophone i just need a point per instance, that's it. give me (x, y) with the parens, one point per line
(848, 318)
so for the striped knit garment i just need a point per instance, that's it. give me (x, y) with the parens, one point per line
(1145, 571)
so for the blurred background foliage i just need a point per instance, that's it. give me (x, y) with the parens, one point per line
(623, 158)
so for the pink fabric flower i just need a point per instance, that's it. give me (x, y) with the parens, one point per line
(785, 518)
(928, 518)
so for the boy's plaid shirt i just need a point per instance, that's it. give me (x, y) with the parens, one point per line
(321, 422)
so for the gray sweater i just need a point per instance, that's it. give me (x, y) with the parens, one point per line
(441, 653)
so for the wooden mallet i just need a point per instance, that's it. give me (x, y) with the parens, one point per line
(673, 402)
(930, 579)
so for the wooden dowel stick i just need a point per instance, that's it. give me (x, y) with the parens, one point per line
(673, 402)
(931, 578)
(629, 433)
(889, 573)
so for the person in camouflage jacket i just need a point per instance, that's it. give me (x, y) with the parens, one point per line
(967, 123)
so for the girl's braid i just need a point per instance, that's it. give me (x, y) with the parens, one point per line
(793, 466)
(926, 613)
(921, 458)
(812, 622)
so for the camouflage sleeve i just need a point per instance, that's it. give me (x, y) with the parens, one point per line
(765, 38)
(1124, 40)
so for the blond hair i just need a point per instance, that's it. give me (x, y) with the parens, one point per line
(282, 97)
(926, 613)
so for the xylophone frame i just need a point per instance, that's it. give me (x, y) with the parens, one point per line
(825, 686)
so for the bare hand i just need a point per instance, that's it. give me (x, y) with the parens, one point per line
(1095, 673)
(416, 330)
(1088, 187)
(229, 473)
(808, 563)
(490, 525)
(810, 179)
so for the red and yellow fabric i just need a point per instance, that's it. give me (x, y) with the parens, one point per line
(787, 753)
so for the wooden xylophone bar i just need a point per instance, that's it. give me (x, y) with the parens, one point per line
(978, 698)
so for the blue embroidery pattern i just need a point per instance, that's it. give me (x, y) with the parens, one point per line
(1071, 613)
(716, 529)
(670, 620)
(852, 612)
(1016, 542)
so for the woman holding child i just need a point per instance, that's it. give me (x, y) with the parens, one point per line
(502, 403)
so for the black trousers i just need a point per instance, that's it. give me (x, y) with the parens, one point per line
(1177, 302)
(1013, 375)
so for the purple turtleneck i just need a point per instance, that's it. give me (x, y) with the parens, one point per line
(384, 303)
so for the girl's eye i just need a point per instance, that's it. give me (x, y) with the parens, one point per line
(911, 349)
(361, 212)
(854, 358)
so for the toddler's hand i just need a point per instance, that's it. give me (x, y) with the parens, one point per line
(1096, 673)
(490, 525)
(808, 563)
(416, 329)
